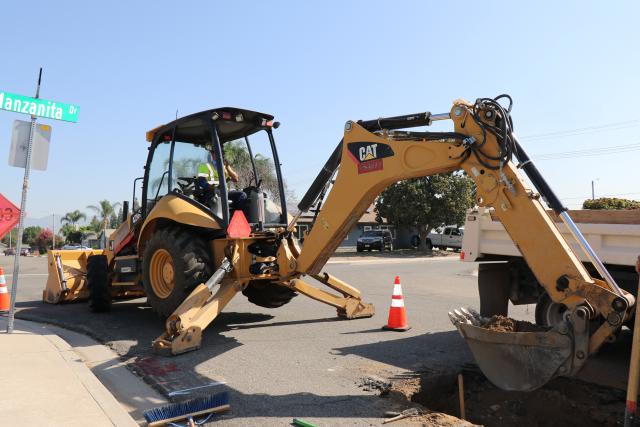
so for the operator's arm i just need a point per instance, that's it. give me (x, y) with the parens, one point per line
(230, 172)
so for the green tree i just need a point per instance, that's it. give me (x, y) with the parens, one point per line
(105, 211)
(237, 154)
(67, 229)
(114, 219)
(72, 218)
(13, 233)
(94, 225)
(610, 203)
(30, 233)
(426, 202)
(71, 234)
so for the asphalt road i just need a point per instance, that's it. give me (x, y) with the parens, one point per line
(299, 360)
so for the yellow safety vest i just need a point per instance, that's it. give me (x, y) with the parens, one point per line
(208, 171)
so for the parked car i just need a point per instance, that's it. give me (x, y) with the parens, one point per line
(10, 251)
(447, 237)
(75, 248)
(375, 239)
(25, 252)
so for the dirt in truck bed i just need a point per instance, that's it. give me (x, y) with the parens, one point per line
(561, 402)
(506, 324)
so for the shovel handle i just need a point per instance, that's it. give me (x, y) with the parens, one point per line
(396, 418)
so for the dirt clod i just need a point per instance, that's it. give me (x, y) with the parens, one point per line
(506, 324)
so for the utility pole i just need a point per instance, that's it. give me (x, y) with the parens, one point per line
(593, 192)
(53, 230)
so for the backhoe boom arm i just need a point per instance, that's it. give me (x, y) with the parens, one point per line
(372, 156)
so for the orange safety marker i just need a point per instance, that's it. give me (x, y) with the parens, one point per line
(238, 227)
(397, 313)
(4, 292)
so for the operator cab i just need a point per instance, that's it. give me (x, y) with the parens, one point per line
(222, 160)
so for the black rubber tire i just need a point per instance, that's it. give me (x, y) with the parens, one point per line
(429, 244)
(268, 295)
(98, 283)
(494, 284)
(191, 259)
(547, 311)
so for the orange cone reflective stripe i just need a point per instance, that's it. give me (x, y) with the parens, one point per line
(397, 313)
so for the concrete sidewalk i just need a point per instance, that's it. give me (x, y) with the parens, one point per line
(46, 383)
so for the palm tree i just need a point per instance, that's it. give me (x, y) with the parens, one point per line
(72, 218)
(104, 211)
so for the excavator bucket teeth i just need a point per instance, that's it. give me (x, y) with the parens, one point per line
(514, 361)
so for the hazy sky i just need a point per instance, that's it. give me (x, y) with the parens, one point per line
(129, 66)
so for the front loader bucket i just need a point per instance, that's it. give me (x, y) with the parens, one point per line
(516, 361)
(67, 280)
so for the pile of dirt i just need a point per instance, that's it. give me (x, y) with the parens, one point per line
(563, 401)
(407, 387)
(506, 324)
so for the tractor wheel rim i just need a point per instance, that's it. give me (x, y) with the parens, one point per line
(162, 273)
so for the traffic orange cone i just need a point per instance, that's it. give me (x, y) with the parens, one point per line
(397, 313)
(4, 292)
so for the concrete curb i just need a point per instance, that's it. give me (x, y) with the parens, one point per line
(112, 409)
(131, 391)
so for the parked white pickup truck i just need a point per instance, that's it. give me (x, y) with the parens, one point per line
(446, 237)
(613, 235)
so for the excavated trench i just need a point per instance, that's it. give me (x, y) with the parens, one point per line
(561, 402)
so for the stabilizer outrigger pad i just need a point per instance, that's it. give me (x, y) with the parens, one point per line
(514, 361)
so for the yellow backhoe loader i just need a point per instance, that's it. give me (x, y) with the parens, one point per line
(195, 243)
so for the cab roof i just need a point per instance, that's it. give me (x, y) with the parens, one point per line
(232, 123)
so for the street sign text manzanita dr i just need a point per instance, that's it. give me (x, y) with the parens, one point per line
(38, 107)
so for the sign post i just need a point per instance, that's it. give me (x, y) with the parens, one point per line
(23, 206)
(34, 107)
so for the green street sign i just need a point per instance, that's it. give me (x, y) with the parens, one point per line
(38, 107)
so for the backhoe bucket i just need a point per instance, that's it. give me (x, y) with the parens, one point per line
(515, 361)
(67, 279)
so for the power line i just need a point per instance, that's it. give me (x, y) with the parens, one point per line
(616, 149)
(583, 131)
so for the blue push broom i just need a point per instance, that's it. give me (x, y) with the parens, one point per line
(202, 407)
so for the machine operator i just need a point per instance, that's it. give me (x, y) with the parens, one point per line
(208, 180)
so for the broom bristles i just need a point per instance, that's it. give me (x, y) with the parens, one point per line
(196, 406)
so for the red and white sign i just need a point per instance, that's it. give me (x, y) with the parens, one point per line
(9, 216)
